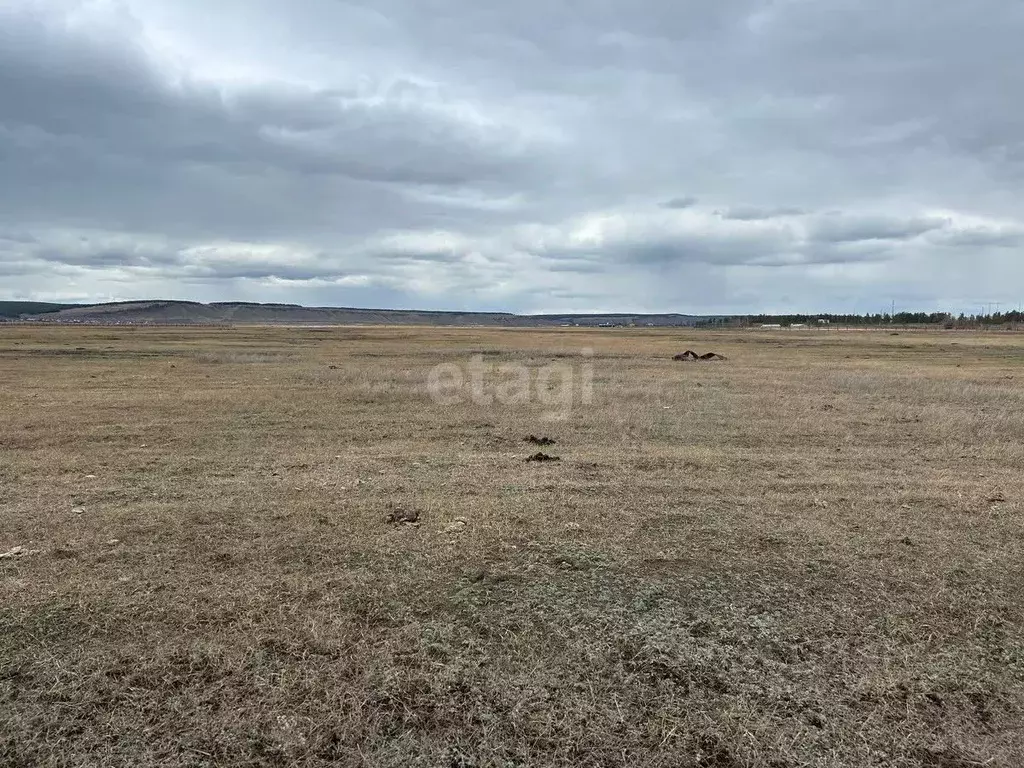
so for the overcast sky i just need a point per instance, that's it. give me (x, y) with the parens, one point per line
(535, 155)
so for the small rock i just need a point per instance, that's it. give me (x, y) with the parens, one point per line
(455, 527)
(78, 510)
(90, 477)
(113, 542)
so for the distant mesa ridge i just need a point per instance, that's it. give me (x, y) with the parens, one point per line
(164, 312)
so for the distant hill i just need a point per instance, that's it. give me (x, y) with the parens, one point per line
(246, 313)
(17, 308)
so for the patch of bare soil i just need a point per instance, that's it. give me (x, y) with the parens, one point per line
(689, 355)
(402, 516)
(539, 440)
(541, 456)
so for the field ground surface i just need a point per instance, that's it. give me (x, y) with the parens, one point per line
(275, 546)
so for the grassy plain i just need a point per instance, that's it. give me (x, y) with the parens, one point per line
(811, 554)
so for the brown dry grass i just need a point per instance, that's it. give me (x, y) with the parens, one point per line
(808, 555)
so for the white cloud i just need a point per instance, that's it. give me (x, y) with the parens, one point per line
(654, 155)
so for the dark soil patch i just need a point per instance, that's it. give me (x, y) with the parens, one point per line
(401, 516)
(541, 456)
(539, 440)
(689, 355)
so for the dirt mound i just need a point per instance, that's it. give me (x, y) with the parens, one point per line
(539, 440)
(691, 355)
(541, 456)
(402, 516)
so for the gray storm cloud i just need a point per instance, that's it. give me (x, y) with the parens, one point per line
(651, 155)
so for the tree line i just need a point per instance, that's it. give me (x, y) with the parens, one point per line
(942, 319)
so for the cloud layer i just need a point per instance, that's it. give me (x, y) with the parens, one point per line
(646, 155)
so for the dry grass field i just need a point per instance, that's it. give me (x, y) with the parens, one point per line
(811, 554)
